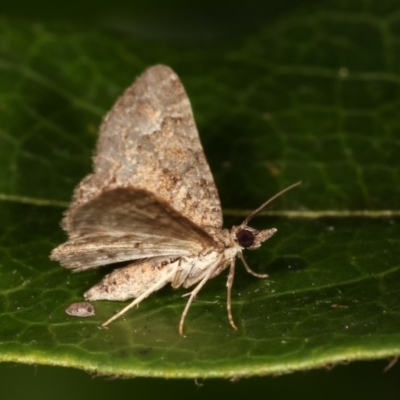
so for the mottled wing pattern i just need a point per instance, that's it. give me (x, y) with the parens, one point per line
(134, 279)
(149, 141)
(127, 224)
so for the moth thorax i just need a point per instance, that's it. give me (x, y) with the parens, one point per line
(245, 237)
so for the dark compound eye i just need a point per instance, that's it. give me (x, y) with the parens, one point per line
(245, 237)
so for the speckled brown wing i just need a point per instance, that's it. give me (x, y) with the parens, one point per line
(149, 141)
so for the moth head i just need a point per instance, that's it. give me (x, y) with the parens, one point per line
(249, 238)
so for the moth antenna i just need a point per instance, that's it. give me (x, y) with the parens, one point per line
(270, 200)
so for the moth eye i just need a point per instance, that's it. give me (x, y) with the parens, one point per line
(245, 237)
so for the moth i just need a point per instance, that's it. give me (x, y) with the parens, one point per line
(151, 201)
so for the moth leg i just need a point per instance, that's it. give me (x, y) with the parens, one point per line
(249, 270)
(159, 284)
(193, 294)
(229, 284)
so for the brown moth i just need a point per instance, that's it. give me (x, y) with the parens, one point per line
(151, 200)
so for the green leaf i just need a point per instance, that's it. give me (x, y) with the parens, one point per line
(313, 96)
